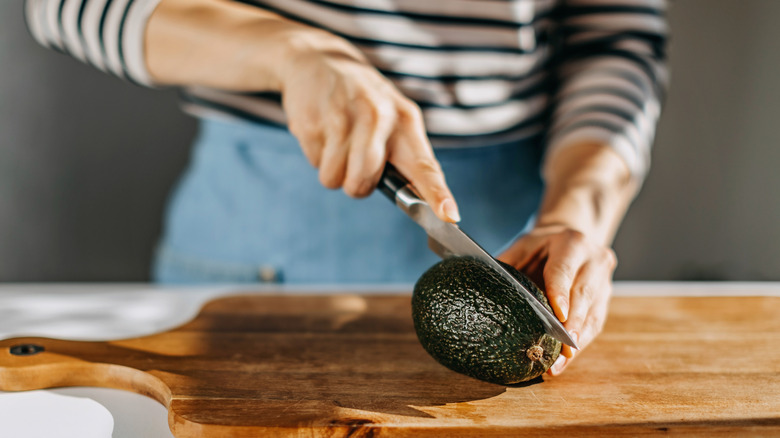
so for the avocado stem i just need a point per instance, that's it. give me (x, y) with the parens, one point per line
(535, 353)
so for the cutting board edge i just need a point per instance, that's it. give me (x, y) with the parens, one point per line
(46, 370)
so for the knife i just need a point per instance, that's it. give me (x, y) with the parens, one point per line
(447, 240)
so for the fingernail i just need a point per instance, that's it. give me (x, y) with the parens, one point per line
(558, 365)
(563, 304)
(450, 210)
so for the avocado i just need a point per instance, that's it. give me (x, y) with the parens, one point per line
(473, 321)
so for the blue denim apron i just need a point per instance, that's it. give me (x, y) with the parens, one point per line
(250, 208)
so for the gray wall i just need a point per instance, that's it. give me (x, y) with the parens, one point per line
(710, 208)
(87, 161)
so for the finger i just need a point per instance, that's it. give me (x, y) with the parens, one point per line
(591, 328)
(557, 368)
(584, 293)
(312, 150)
(367, 151)
(564, 260)
(597, 316)
(590, 296)
(411, 153)
(311, 139)
(333, 163)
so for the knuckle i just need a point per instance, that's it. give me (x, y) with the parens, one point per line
(357, 189)
(409, 112)
(385, 110)
(586, 292)
(366, 106)
(304, 132)
(330, 180)
(370, 116)
(337, 123)
(429, 168)
(373, 108)
(610, 257)
(378, 111)
(575, 236)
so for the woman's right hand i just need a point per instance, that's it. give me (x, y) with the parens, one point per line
(350, 120)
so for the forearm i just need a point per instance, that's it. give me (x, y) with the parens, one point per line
(228, 45)
(611, 77)
(588, 188)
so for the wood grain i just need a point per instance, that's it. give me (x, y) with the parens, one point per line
(348, 365)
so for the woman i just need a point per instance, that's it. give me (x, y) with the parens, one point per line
(539, 112)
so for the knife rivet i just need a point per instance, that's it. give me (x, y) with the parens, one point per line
(26, 349)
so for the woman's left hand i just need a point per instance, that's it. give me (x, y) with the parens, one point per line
(576, 272)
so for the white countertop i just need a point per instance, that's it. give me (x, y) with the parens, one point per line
(116, 311)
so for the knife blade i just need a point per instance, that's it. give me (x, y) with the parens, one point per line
(447, 239)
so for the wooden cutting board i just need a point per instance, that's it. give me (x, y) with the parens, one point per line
(351, 365)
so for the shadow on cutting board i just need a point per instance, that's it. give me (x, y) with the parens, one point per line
(268, 361)
(314, 355)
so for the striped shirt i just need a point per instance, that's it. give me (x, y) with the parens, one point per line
(483, 72)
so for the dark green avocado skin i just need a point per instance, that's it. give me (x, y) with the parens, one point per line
(472, 321)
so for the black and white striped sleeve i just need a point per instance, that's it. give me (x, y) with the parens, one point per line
(108, 34)
(612, 76)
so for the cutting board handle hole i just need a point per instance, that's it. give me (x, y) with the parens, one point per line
(26, 349)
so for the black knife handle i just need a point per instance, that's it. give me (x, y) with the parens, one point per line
(391, 182)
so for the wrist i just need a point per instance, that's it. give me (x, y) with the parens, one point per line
(588, 188)
(574, 208)
(299, 46)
